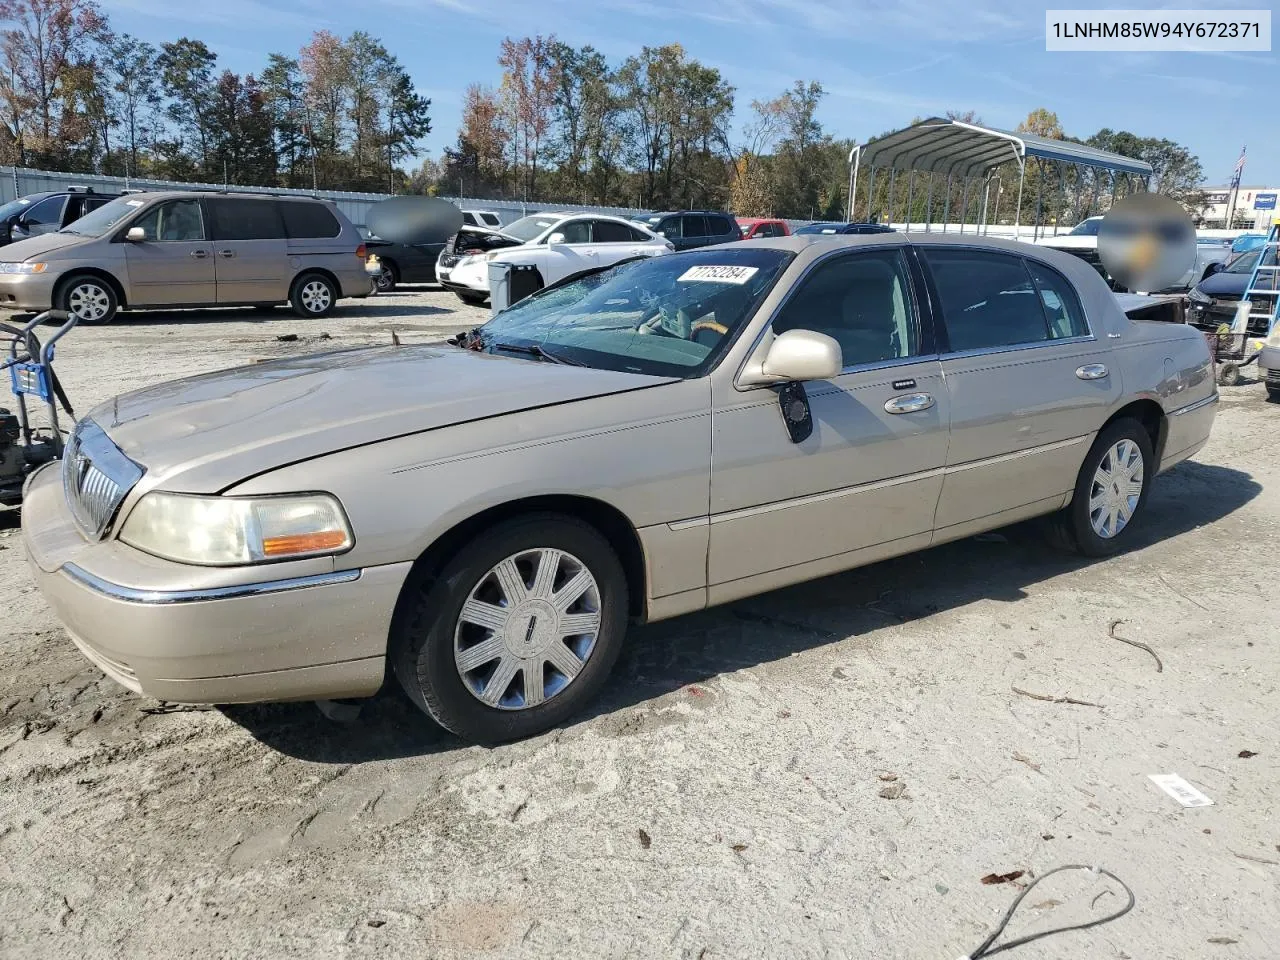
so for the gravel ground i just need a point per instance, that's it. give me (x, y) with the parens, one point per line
(826, 771)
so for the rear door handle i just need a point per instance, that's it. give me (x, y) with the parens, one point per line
(199, 254)
(228, 254)
(1092, 371)
(909, 403)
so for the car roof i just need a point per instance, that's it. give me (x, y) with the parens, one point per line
(676, 213)
(759, 220)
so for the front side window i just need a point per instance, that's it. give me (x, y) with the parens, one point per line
(667, 316)
(575, 231)
(174, 221)
(989, 300)
(863, 302)
(235, 219)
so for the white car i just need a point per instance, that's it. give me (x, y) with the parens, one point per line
(1083, 242)
(558, 245)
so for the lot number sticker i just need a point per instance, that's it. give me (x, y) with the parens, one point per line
(718, 274)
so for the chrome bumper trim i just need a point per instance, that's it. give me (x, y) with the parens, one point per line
(1193, 407)
(160, 597)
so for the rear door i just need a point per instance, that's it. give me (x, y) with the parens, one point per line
(174, 264)
(250, 251)
(1029, 385)
(612, 241)
(693, 231)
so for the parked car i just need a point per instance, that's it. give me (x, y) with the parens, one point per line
(481, 218)
(469, 242)
(843, 229)
(689, 229)
(190, 249)
(557, 244)
(756, 228)
(481, 521)
(401, 262)
(1269, 364)
(41, 213)
(1214, 300)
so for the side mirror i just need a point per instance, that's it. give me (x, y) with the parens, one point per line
(555, 239)
(800, 355)
(136, 235)
(1215, 267)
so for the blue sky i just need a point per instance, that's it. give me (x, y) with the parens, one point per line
(882, 61)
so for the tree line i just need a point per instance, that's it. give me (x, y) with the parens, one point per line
(564, 124)
(74, 95)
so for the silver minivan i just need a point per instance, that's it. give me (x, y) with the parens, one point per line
(190, 249)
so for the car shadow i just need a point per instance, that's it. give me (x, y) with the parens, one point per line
(667, 656)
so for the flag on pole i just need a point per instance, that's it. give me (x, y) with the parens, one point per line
(1235, 177)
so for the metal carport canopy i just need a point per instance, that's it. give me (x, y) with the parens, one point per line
(939, 145)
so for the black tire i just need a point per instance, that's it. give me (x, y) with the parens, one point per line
(1229, 375)
(1273, 394)
(1072, 528)
(472, 299)
(427, 619)
(308, 300)
(95, 299)
(388, 278)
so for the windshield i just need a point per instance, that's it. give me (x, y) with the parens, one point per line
(1243, 263)
(13, 208)
(818, 228)
(1250, 241)
(1087, 229)
(530, 228)
(666, 316)
(98, 222)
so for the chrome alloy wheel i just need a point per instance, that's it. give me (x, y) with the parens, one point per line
(89, 301)
(1116, 489)
(527, 629)
(316, 296)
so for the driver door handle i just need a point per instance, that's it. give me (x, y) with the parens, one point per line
(199, 254)
(227, 254)
(1092, 371)
(909, 403)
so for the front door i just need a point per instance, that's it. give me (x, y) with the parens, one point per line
(250, 250)
(174, 263)
(1029, 385)
(867, 479)
(573, 253)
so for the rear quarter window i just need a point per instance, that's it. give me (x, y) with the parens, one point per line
(308, 221)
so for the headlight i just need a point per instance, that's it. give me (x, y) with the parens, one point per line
(470, 260)
(223, 531)
(1197, 296)
(23, 267)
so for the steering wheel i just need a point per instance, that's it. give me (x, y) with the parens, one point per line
(707, 333)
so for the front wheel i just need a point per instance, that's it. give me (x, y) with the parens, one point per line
(517, 633)
(91, 299)
(313, 295)
(1110, 492)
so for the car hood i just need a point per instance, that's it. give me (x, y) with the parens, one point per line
(33, 247)
(1065, 241)
(1223, 285)
(206, 433)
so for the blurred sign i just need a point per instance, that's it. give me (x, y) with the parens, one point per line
(1264, 201)
(414, 220)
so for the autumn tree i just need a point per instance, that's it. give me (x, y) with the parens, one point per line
(45, 48)
(529, 85)
(187, 74)
(134, 92)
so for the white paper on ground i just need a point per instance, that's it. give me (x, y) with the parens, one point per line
(1180, 790)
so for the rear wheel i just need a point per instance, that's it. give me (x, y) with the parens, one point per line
(1110, 492)
(90, 298)
(1273, 394)
(313, 295)
(517, 633)
(387, 277)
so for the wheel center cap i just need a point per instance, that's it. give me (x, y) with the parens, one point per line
(531, 628)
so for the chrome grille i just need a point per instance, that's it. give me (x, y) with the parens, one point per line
(96, 477)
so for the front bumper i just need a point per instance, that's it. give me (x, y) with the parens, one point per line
(470, 277)
(284, 636)
(1269, 365)
(31, 291)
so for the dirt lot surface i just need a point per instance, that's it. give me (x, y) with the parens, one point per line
(827, 771)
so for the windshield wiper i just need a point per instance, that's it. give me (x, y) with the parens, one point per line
(534, 350)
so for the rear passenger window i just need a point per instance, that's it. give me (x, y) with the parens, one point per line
(695, 226)
(988, 299)
(307, 221)
(245, 219)
(1061, 305)
(723, 227)
(606, 231)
